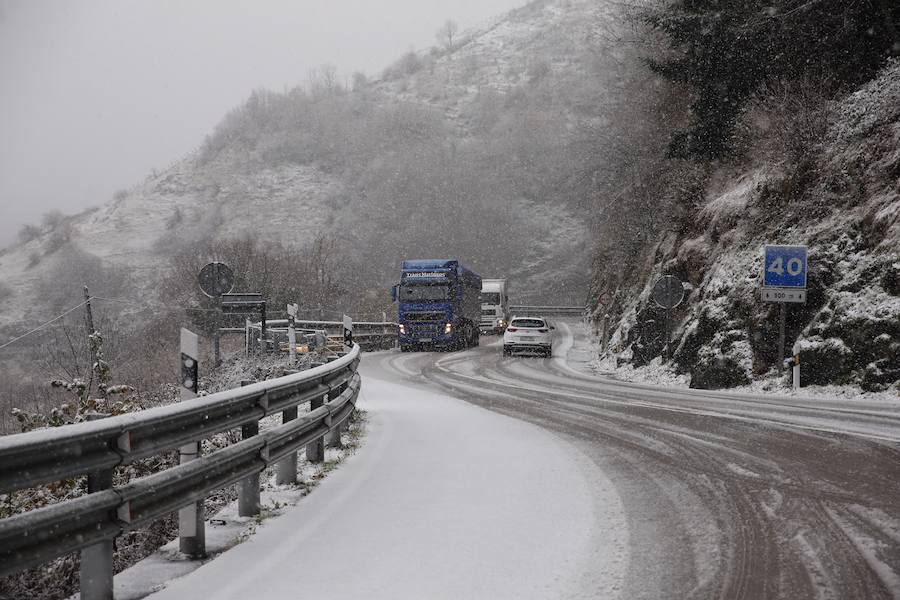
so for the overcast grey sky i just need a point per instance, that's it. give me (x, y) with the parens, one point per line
(96, 93)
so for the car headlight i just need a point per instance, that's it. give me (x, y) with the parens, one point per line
(448, 328)
(500, 322)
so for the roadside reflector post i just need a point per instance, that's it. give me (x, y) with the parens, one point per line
(286, 468)
(97, 559)
(796, 351)
(191, 524)
(248, 490)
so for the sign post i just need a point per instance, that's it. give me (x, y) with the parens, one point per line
(216, 279)
(668, 292)
(244, 303)
(784, 280)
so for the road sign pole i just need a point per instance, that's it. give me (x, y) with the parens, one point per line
(217, 334)
(264, 347)
(784, 279)
(605, 333)
(668, 292)
(781, 326)
(668, 334)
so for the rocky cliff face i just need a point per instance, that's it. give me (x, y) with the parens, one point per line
(845, 206)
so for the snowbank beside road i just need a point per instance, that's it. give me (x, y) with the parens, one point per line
(446, 500)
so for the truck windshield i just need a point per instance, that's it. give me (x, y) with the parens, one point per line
(424, 291)
(490, 297)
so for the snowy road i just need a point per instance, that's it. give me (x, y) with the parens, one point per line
(622, 491)
(727, 496)
(444, 500)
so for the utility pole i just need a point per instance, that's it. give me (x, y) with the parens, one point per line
(95, 354)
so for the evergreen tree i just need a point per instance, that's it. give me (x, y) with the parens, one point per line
(726, 49)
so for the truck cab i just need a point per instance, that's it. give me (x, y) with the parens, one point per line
(494, 306)
(438, 305)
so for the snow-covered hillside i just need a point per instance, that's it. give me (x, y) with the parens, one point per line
(849, 217)
(479, 140)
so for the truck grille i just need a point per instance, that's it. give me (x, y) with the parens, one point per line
(425, 316)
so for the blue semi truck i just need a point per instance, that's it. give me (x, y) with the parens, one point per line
(439, 305)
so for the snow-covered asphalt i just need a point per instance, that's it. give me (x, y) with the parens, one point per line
(444, 500)
(727, 495)
(595, 489)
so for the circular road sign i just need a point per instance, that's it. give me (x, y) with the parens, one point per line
(216, 279)
(668, 291)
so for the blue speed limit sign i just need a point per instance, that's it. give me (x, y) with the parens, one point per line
(784, 266)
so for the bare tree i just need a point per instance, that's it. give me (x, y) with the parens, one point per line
(446, 34)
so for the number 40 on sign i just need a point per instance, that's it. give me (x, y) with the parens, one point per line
(784, 274)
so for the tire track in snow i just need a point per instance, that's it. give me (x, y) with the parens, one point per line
(684, 457)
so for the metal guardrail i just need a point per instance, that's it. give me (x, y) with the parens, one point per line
(521, 310)
(370, 335)
(27, 459)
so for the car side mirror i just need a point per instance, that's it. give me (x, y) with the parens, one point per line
(552, 327)
(393, 293)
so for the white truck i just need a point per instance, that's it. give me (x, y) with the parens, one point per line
(494, 306)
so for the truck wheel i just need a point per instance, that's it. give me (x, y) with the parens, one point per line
(405, 347)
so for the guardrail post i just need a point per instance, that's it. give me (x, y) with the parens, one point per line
(315, 450)
(286, 468)
(97, 560)
(248, 488)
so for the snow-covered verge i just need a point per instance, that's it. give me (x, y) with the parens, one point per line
(845, 206)
(658, 372)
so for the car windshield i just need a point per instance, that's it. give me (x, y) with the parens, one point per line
(490, 297)
(424, 291)
(537, 323)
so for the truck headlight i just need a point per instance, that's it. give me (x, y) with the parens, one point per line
(448, 328)
(500, 322)
(402, 329)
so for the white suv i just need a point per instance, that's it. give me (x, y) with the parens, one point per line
(528, 333)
